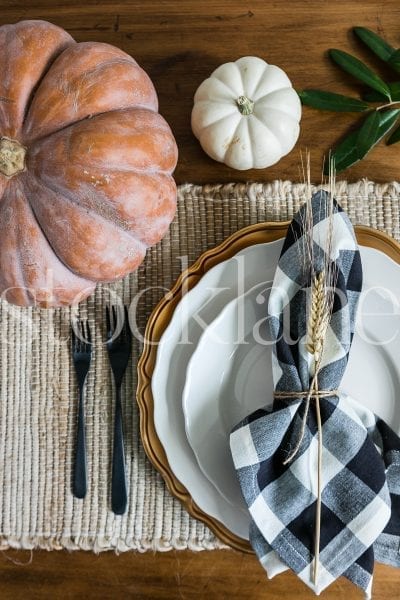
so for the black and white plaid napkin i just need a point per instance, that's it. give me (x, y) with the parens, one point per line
(360, 455)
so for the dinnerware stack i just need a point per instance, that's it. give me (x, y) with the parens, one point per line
(207, 363)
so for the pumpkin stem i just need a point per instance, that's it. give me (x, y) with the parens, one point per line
(12, 157)
(245, 105)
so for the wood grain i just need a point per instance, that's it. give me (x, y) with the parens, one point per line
(180, 42)
(216, 575)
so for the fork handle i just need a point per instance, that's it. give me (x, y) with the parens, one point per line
(118, 482)
(80, 478)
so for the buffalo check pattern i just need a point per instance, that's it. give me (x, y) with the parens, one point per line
(360, 519)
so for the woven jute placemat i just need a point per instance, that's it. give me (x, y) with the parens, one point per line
(38, 400)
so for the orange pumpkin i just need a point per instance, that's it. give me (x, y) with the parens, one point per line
(86, 165)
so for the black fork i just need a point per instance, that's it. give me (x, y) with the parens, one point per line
(119, 350)
(81, 354)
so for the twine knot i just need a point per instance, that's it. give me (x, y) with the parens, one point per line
(308, 395)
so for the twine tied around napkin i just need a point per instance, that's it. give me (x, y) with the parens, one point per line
(314, 469)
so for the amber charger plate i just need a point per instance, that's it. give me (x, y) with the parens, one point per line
(158, 322)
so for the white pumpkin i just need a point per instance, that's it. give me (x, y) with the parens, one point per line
(246, 114)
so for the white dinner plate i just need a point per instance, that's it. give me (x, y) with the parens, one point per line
(230, 374)
(196, 310)
(193, 314)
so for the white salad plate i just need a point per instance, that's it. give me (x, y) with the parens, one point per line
(223, 283)
(229, 373)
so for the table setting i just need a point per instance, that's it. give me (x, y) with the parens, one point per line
(202, 367)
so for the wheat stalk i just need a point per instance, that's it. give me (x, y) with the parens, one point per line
(317, 325)
(319, 314)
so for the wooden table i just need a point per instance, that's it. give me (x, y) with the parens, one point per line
(179, 43)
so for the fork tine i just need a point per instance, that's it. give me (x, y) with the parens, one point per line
(88, 334)
(88, 342)
(118, 323)
(117, 319)
(84, 341)
(82, 335)
(77, 336)
(73, 338)
(108, 322)
(114, 317)
(127, 329)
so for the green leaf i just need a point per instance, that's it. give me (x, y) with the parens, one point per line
(394, 88)
(360, 71)
(394, 60)
(388, 119)
(381, 48)
(368, 133)
(374, 43)
(394, 138)
(348, 152)
(330, 101)
(374, 97)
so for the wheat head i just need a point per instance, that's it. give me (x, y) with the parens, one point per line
(318, 318)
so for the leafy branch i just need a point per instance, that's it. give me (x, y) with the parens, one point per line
(381, 101)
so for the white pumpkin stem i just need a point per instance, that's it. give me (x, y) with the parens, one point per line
(245, 105)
